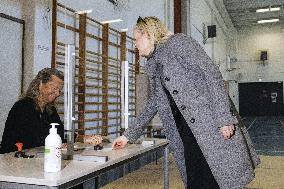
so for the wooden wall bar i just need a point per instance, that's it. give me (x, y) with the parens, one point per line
(54, 31)
(123, 46)
(137, 69)
(123, 51)
(105, 59)
(82, 72)
(99, 55)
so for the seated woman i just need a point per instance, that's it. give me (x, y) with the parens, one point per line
(29, 119)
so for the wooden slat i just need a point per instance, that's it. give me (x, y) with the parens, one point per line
(136, 72)
(177, 16)
(66, 8)
(92, 63)
(71, 28)
(82, 69)
(54, 32)
(137, 62)
(122, 58)
(105, 59)
(123, 46)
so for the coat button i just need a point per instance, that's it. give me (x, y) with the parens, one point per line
(183, 107)
(192, 120)
(175, 92)
(167, 79)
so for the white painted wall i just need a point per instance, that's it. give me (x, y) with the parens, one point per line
(204, 13)
(250, 42)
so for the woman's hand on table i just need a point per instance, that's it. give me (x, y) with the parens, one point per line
(93, 139)
(119, 143)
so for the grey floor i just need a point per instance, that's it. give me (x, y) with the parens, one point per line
(267, 134)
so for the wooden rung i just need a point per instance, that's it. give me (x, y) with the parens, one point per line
(114, 44)
(94, 111)
(101, 95)
(92, 61)
(131, 50)
(87, 120)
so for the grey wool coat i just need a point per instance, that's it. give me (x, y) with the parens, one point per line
(196, 85)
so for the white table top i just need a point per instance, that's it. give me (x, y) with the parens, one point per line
(30, 171)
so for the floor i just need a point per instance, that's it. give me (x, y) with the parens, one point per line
(267, 134)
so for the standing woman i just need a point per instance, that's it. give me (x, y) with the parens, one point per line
(187, 91)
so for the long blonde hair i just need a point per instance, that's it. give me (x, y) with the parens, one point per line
(157, 31)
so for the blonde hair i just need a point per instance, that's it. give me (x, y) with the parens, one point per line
(157, 31)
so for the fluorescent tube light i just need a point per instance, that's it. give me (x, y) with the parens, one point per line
(268, 9)
(111, 21)
(84, 11)
(262, 10)
(268, 21)
(124, 30)
(275, 9)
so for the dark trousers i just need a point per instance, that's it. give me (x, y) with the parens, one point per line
(199, 175)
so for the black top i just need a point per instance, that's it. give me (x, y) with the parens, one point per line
(27, 124)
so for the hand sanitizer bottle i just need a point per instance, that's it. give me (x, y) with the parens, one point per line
(52, 151)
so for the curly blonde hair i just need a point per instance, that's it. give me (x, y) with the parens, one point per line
(157, 31)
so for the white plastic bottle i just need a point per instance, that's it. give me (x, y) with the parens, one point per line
(52, 151)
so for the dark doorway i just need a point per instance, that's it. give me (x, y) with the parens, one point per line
(261, 99)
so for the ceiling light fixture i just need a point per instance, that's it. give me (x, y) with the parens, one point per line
(268, 21)
(271, 9)
(84, 11)
(124, 30)
(262, 10)
(111, 21)
(275, 9)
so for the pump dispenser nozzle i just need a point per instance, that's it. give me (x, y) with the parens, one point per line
(19, 146)
(53, 129)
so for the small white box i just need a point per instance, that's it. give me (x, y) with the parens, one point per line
(100, 159)
(148, 142)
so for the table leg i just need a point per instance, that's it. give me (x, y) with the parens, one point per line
(96, 182)
(166, 167)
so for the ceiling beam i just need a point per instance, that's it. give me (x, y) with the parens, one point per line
(233, 5)
(256, 16)
(248, 24)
